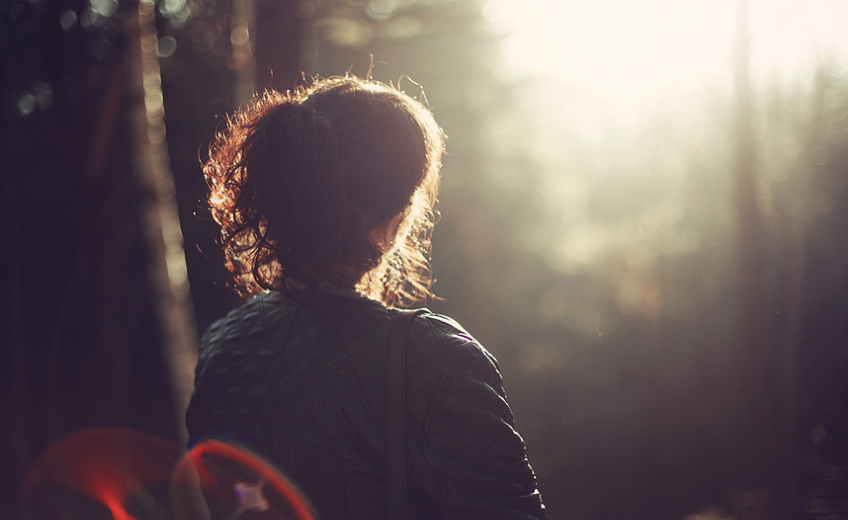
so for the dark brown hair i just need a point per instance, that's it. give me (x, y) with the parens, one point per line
(299, 180)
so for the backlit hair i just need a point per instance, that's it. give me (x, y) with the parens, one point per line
(299, 180)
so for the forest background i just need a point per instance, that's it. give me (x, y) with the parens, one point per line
(669, 303)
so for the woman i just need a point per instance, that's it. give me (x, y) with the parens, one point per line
(324, 197)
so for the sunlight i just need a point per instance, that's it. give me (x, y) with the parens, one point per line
(607, 32)
(624, 95)
(625, 58)
(613, 52)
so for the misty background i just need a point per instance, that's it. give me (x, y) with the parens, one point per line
(643, 216)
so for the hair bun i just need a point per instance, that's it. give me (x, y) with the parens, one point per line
(299, 180)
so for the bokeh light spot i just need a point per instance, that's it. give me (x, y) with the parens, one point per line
(203, 41)
(168, 8)
(105, 8)
(26, 104)
(381, 9)
(167, 46)
(68, 20)
(102, 49)
(16, 10)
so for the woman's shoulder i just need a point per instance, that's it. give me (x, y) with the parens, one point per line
(437, 336)
(439, 328)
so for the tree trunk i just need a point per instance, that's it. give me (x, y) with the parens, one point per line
(278, 49)
(752, 362)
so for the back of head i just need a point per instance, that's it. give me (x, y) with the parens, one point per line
(299, 181)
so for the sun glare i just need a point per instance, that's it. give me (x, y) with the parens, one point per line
(626, 57)
(608, 32)
(602, 78)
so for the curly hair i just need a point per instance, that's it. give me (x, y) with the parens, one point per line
(300, 180)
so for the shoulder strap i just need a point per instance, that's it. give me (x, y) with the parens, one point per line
(396, 414)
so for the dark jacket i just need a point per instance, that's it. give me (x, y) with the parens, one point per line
(304, 384)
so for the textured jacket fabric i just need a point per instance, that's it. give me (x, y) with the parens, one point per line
(304, 384)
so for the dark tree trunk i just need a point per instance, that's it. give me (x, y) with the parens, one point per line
(278, 51)
(83, 343)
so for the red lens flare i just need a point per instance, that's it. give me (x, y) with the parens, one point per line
(234, 483)
(109, 465)
(123, 474)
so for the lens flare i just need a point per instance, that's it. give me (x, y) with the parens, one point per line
(123, 474)
(110, 465)
(233, 483)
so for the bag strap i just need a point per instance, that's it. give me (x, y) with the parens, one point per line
(396, 413)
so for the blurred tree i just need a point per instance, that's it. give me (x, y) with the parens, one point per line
(279, 40)
(206, 65)
(91, 264)
(756, 409)
(804, 152)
